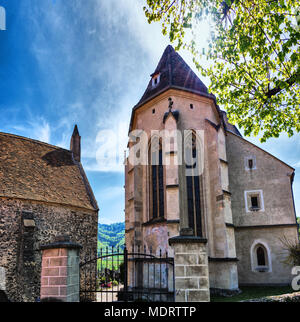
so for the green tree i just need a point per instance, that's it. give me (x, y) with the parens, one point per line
(254, 50)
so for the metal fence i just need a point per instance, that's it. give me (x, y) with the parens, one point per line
(116, 274)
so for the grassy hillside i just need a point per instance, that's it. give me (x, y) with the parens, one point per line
(111, 235)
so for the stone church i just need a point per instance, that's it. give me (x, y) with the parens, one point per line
(44, 193)
(241, 202)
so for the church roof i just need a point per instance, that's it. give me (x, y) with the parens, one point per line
(38, 171)
(174, 73)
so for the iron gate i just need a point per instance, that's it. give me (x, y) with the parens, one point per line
(118, 275)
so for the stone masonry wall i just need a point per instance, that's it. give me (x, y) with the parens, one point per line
(60, 274)
(24, 227)
(191, 272)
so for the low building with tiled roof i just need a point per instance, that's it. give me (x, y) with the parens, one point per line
(44, 193)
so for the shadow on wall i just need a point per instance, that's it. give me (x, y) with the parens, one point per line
(51, 299)
(3, 297)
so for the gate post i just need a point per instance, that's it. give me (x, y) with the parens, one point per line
(191, 269)
(125, 272)
(60, 271)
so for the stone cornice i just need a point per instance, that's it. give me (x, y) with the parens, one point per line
(187, 239)
(222, 259)
(266, 226)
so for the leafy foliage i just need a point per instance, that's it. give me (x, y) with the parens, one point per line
(254, 47)
(293, 248)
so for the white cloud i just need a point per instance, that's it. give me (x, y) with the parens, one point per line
(106, 221)
(296, 165)
(108, 74)
(41, 131)
(37, 129)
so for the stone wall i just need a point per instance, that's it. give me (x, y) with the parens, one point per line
(191, 269)
(223, 275)
(60, 271)
(269, 175)
(279, 273)
(275, 218)
(24, 227)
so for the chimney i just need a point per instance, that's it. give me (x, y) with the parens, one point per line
(75, 144)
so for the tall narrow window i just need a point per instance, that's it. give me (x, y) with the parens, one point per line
(250, 163)
(193, 186)
(254, 202)
(156, 179)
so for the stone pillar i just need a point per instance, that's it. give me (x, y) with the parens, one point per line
(171, 168)
(191, 269)
(60, 270)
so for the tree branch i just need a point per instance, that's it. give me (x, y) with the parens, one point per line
(291, 81)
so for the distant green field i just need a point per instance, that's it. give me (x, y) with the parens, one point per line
(110, 263)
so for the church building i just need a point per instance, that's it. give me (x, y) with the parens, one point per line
(237, 197)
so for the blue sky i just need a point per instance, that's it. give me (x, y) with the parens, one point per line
(88, 63)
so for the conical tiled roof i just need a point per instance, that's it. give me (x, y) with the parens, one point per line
(174, 73)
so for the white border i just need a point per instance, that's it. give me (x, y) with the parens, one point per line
(262, 208)
(257, 242)
(250, 157)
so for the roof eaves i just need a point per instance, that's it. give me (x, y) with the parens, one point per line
(33, 141)
(210, 96)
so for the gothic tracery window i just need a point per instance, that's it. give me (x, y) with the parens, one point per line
(156, 179)
(193, 180)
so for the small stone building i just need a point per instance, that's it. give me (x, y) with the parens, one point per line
(239, 205)
(44, 193)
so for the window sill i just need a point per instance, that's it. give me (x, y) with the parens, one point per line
(262, 269)
(254, 208)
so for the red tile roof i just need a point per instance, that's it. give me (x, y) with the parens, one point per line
(33, 170)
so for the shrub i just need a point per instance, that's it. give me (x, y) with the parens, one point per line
(293, 248)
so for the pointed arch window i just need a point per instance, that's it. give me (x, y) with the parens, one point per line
(156, 179)
(260, 257)
(193, 183)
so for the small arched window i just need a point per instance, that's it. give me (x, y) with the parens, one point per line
(260, 257)
(156, 179)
